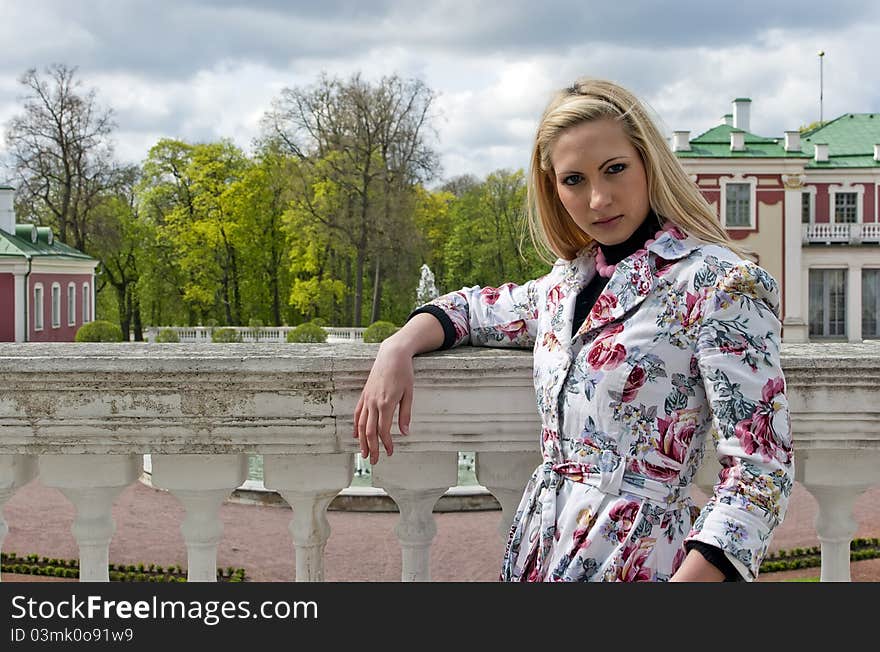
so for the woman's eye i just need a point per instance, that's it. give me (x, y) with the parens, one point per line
(572, 179)
(616, 168)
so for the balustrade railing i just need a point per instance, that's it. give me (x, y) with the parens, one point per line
(252, 335)
(81, 416)
(853, 233)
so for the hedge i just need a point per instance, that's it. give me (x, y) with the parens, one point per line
(99, 331)
(306, 333)
(379, 331)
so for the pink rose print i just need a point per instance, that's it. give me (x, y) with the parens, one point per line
(693, 310)
(756, 434)
(634, 383)
(624, 514)
(601, 310)
(604, 354)
(634, 557)
(489, 295)
(548, 435)
(514, 329)
(550, 342)
(676, 434)
(585, 521)
(554, 297)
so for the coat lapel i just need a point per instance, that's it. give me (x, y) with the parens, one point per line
(633, 279)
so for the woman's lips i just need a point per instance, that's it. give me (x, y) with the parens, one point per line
(610, 220)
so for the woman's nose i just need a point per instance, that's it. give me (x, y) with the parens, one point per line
(600, 197)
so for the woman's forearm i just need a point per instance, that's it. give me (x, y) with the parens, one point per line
(420, 334)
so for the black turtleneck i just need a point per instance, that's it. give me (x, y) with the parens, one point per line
(613, 255)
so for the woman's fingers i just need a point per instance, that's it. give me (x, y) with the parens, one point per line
(405, 413)
(357, 416)
(372, 434)
(386, 414)
(362, 433)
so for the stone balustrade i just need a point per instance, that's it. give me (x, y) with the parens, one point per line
(82, 415)
(253, 335)
(841, 233)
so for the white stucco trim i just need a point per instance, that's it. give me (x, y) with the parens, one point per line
(71, 304)
(55, 304)
(39, 313)
(846, 188)
(87, 302)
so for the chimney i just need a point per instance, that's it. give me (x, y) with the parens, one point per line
(821, 153)
(681, 141)
(7, 212)
(728, 119)
(792, 141)
(877, 152)
(737, 140)
(741, 106)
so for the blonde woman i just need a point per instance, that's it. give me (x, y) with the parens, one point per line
(653, 336)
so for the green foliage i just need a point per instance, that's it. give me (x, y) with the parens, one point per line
(167, 336)
(308, 332)
(225, 336)
(99, 331)
(69, 568)
(319, 321)
(379, 331)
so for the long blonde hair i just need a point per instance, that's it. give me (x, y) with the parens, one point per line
(672, 195)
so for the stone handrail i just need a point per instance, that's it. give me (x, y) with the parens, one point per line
(252, 335)
(842, 233)
(82, 415)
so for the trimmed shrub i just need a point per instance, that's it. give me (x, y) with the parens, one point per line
(320, 321)
(167, 336)
(225, 336)
(99, 331)
(255, 323)
(379, 331)
(307, 333)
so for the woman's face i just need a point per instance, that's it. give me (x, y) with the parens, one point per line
(600, 180)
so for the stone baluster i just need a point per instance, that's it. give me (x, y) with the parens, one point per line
(15, 472)
(309, 483)
(836, 479)
(201, 483)
(506, 475)
(415, 481)
(92, 483)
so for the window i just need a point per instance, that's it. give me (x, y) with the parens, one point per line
(38, 307)
(738, 204)
(71, 304)
(871, 303)
(845, 207)
(56, 305)
(87, 306)
(828, 303)
(806, 207)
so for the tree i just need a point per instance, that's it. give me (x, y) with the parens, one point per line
(120, 240)
(370, 142)
(61, 151)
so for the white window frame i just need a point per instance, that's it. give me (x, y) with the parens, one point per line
(860, 203)
(86, 304)
(38, 307)
(811, 191)
(753, 202)
(55, 305)
(71, 304)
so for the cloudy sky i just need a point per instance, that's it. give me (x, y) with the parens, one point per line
(200, 70)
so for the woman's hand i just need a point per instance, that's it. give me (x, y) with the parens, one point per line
(389, 384)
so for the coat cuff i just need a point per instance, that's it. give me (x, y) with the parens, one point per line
(449, 336)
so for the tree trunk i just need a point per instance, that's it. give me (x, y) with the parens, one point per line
(359, 286)
(124, 314)
(377, 292)
(136, 318)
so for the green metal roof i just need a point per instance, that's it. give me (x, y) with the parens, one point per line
(850, 138)
(18, 246)
(715, 143)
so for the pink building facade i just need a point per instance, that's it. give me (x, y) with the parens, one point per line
(47, 289)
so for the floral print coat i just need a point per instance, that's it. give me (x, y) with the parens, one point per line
(681, 348)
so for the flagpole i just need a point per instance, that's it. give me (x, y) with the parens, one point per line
(821, 58)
